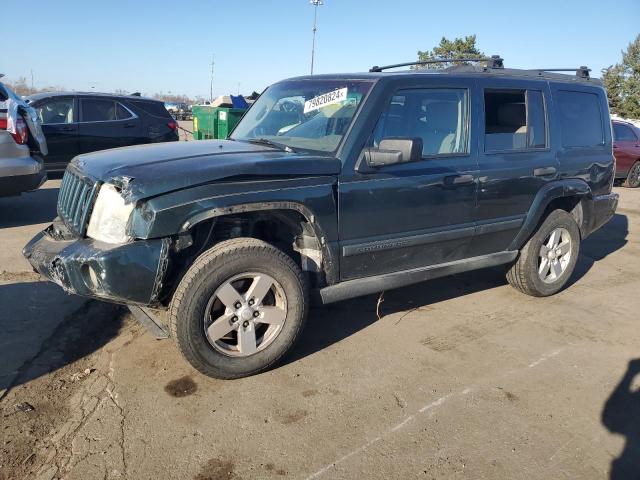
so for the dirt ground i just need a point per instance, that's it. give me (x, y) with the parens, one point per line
(461, 377)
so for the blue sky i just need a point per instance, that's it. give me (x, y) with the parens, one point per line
(166, 46)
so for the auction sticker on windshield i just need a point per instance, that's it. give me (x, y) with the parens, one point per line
(316, 103)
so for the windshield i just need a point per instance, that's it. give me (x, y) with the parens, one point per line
(304, 114)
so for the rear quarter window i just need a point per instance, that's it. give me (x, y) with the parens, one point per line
(580, 119)
(152, 108)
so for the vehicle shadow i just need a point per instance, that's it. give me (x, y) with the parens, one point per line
(621, 414)
(42, 329)
(29, 208)
(610, 238)
(333, 323)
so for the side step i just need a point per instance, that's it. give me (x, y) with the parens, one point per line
(388, 281)
(148, 319)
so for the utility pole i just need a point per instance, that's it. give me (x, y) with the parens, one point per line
(211, 84)
(316, 4)
(32, 79)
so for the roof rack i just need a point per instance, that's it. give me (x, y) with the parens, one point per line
(495, 61)
(582, 72)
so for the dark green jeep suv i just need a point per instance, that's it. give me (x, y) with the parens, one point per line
(334, 186)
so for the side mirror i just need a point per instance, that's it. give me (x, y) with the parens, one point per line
(394, 150)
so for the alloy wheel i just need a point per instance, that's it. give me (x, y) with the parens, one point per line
(555, 255)
(245, 314)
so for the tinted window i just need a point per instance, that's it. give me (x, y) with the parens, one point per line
(153, 108)
(514, 120)
(122, 113)
(94, 110)
(437, 116)
(580, 119)
(59, 110)
(623, 133)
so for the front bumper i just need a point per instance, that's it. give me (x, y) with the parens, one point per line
(131, 273)
(603, 208)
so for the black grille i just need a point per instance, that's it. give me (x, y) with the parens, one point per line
(75, 201)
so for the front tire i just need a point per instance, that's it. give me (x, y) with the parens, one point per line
(633, 178)
(548, 259)
(239, 308)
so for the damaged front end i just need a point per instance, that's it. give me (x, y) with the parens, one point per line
(130, 273)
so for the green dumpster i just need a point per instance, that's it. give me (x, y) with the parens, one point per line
(214, 122)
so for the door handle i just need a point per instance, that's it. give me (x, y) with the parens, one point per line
(458, 180)
(68, 129)
(129, 125)
(544, 171)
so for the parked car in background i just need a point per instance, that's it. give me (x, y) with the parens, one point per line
(76, 123)
(22, 145)
(179, 111)
(626, 148)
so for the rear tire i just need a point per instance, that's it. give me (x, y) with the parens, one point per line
(633, 178)
(548, 259)
(239, 308)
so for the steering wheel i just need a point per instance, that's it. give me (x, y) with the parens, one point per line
(289, 106)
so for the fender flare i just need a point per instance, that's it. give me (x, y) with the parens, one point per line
(557, 189)
(330, 264)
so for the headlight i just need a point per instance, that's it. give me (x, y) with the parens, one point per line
(110, 216)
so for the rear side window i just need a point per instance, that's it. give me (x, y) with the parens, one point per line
(98, 110)
(152, 108)
(622, 133)
(122, 113)
(514, 120)
(580, 119)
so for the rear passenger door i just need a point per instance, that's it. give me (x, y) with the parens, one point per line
(105, 123)
(402, 216)
(515, 159)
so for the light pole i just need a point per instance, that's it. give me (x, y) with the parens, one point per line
(316, 4)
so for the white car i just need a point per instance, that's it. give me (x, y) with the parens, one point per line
(22, 145)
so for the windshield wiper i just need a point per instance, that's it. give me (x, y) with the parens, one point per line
(271, 143)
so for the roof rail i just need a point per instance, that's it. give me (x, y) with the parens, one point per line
(136, 94)
(495, 61)
(582, 71)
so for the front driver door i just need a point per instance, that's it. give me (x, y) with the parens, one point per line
(58, 116)
(414, 214)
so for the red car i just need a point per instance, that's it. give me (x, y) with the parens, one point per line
(626, 148)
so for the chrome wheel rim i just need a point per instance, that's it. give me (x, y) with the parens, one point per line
(555, 255)
(245, 314)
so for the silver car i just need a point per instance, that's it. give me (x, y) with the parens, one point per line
(22, 145)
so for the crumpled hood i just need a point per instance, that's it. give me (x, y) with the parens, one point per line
(150, 170)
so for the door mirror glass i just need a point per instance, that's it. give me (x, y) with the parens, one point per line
(394, 150)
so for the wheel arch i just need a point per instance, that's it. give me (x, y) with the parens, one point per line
(572, 195)
(288, 213)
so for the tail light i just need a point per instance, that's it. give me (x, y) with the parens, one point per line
(172, 125)
(22, 132)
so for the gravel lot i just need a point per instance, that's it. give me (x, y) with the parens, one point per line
(461, 377)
